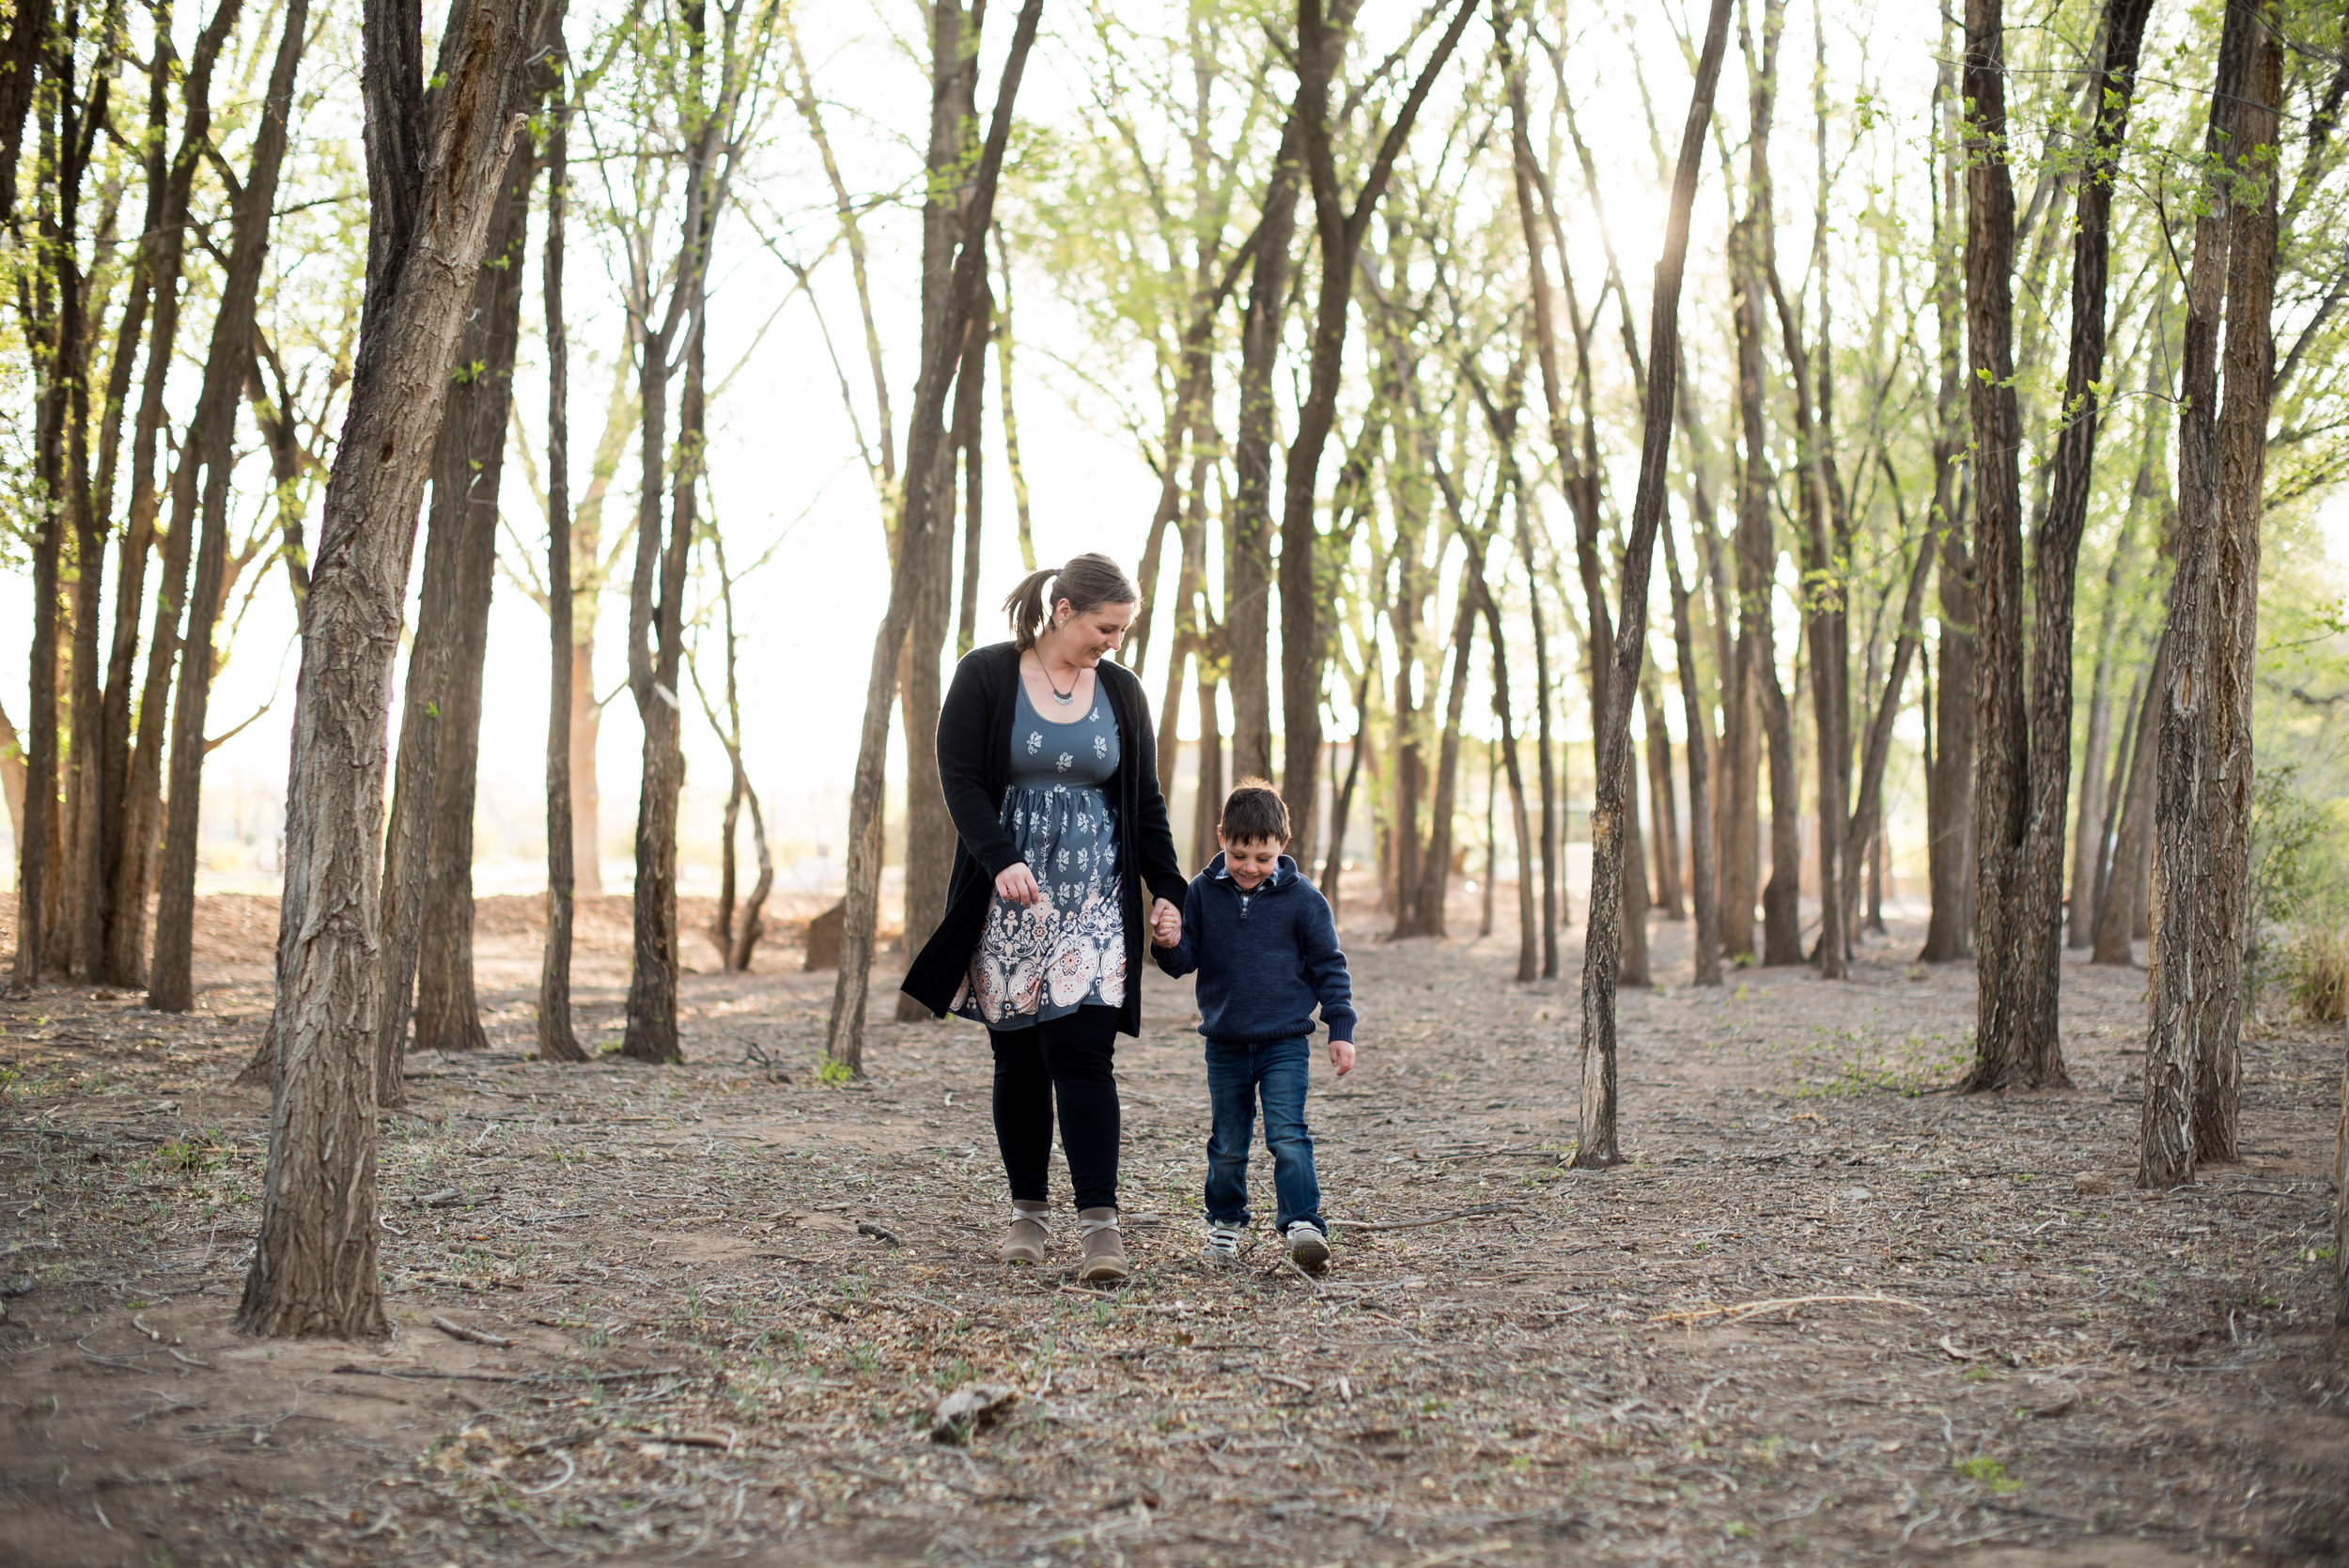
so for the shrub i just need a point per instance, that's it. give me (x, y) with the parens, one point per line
(2320, 974)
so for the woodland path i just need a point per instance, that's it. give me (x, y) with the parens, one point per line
(2070, 1371)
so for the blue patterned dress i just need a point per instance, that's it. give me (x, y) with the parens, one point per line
(1070, 950)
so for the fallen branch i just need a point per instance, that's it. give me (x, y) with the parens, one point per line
(476, 1336)
(1431, 1220)
(425, 1374)
(1745, 1310)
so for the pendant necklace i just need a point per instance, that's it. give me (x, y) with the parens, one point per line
(1064, 698)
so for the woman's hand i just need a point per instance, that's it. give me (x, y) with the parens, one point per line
(1166, 923)
(1015, 884)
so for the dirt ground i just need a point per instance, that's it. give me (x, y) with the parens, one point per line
(1827, 1312)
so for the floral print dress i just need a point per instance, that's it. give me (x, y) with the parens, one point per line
(1070, 950)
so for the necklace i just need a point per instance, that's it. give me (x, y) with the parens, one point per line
(1064, 698)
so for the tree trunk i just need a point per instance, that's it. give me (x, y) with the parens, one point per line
(556, 1040)
(2095, 811)
(1613, 816)
(2022, 787)
(1663, 809)
(211, 440)
(2116, 906)
(1333, 867)
(434, 167)
(1705, 923)
(844, 1031)
(472, 447)
(930, 831)
(1248, 528)
(1434, 876)
(2223, 932)
(1949, 777)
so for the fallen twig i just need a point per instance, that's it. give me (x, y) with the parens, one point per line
(1431, 1220)
(886, 1237)
(1744, 1310)
(476, 1336)
(426, 1375)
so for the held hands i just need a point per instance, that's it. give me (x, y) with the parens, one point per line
(1342, 1056)
(1166, 923)
(1015, 884)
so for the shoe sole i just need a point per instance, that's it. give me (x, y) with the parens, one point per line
(1309, 1251)
(1100, 1272)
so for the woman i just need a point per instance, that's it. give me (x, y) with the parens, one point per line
(1049, 769)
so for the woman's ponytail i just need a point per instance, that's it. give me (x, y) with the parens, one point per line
(1087, 581)
(1027, 608)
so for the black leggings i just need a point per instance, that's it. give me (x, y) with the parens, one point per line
(1070, 1056)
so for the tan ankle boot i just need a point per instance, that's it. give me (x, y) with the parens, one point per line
(1104, 1248)
(1024, 1238)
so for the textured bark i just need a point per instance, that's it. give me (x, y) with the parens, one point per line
(930, 831)
(844, 1031)
(556, 1040)
(1529, 938)
(2184, 999)
(469, 467)
(460, 535)
(434, 166)
(1864, 830)
(2025, 771)
(2249, 364)
(212, 436)
(1613, 820)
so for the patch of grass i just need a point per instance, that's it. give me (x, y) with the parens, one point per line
(835, 1075)
(1982, 1471)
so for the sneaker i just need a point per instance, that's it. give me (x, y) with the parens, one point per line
(1223, 1242)
(1308, 1246)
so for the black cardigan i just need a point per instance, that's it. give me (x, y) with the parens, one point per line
(975, 769)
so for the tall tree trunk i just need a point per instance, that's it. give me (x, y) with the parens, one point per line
(434, 165)
(2022, 786)
(2117, 907)
(1340, 228)
(1545, 742)
(213, 435)
(133, 774)
(930, 831)
(2094, 825)
(1705, 923)
(844, 1031)
(473, 446)
(1340, 808)
(1614, 848)
(2223, 927)
(1248, 528)
(1663, 809)
(1435, 875)
(969, 408)
(556, 1040)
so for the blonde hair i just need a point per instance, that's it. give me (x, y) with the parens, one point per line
(1087, 581)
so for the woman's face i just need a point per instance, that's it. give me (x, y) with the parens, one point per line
(1090, 636)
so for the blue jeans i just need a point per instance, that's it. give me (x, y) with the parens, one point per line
(1237, 1075)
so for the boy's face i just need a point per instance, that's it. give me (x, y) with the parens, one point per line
(1250, 860)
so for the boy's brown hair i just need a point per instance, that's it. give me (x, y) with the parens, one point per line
(1254, 812)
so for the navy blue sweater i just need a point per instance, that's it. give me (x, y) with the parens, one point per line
(1265, 958)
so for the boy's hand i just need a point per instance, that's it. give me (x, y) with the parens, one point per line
(1342, 1056)
(1166, 923)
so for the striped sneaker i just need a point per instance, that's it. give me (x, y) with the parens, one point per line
(1223, 1242)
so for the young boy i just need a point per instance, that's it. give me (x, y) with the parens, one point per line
(1266, 948)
